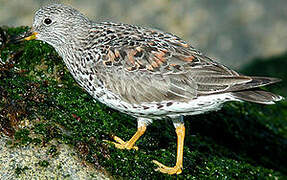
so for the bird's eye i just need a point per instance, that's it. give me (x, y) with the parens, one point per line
(47, 21)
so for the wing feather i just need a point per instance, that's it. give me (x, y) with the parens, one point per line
(162, 67)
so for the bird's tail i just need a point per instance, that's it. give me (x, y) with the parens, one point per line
(257, 96)
(250, 92)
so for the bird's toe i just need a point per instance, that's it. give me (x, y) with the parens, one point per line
(167, 170)
(121, 144)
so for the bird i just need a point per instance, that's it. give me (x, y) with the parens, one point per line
(146, 73)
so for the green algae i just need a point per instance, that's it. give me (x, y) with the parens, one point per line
(43, 163)
(241, 141)
(20, 170)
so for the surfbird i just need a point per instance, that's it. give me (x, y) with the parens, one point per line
(146, 73)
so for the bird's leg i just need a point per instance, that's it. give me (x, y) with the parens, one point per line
(177, 169)
(121, 144)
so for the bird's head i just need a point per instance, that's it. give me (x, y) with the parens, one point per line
(58, 25)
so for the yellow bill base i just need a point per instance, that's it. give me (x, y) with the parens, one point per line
(33, 36)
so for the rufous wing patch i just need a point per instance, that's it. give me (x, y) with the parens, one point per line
(154, 64)
(133, 60)
(131, 57)
(111, 56)
(184, 45)
(160, 56)
(188, 58)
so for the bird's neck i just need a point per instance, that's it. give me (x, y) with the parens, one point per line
(78, 57)
(73, 48)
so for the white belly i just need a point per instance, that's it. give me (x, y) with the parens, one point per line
(171, 109)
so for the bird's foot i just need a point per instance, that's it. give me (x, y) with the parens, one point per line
(121, 144)
(168, 170)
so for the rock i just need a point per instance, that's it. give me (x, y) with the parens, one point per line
(30, 161)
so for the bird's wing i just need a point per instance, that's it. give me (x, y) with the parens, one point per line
(162, 70)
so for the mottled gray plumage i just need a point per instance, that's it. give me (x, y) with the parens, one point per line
(136, 64)
(144, 72)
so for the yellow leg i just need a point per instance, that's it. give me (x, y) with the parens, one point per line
(120, 144)
(177, 169)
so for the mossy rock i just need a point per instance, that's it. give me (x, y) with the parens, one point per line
(39, 97)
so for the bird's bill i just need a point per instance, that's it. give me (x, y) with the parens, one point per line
(31, 37)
